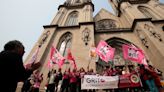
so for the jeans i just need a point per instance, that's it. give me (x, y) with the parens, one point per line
(151, 85)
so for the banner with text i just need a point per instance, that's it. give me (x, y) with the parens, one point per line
(99, 82)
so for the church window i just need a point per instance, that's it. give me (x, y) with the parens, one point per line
(65, 43)
(147, 12)
(72, 19)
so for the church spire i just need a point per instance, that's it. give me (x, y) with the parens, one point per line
(116, 4)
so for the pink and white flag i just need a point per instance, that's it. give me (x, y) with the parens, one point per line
(105, 51)
(34, 56)
(56, 57)
(50, 63)
(132, 53)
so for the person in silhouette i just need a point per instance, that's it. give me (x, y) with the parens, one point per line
(11, 66)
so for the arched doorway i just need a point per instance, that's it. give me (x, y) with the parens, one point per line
(118, 61)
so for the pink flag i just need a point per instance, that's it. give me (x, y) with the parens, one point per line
(50, 63)
(105, 51)
(133, 53)
(71, 58)
(34, 56)
(56, 57)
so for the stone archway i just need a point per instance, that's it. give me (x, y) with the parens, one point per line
(118, 60)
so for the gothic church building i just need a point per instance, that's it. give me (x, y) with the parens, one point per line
(137, 22)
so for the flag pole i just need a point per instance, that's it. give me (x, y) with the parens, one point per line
(137, 71)
(66, 67)
(89, 64)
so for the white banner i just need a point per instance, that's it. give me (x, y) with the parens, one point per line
(99, 82)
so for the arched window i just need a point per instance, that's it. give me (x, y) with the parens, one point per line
(147, 12)
(65, 43)
(72, 19)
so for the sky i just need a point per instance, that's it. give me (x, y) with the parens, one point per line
(23, 20)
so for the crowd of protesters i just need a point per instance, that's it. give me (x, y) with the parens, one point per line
(71, 80)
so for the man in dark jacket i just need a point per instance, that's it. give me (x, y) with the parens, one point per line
(11, 66)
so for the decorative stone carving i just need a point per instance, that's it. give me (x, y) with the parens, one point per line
(67, 3)
(85, 1)
(77, 1)
(87, 8)
(86, 36)
(44, 38)
(142, 38)
(105, 24)
(126, 5)
(152, 32)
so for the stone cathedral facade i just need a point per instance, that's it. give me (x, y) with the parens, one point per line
(137, 22)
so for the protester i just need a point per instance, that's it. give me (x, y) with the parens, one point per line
(27, 86)
(148, 78)
(73, 81)
(82, 73)
(155, 77)
(11, 66)
(65, 84)
(51, 82)
(38, 78)
(58, 79)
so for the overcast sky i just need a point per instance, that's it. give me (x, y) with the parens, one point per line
(23, 20)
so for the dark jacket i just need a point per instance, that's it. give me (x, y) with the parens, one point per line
(12, 71)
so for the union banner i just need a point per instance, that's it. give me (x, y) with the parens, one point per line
(129, 80)
(99, 82)
(110, 82)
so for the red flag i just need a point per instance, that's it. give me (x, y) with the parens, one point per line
(52, 52)
(71, 58)
(56, 57)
